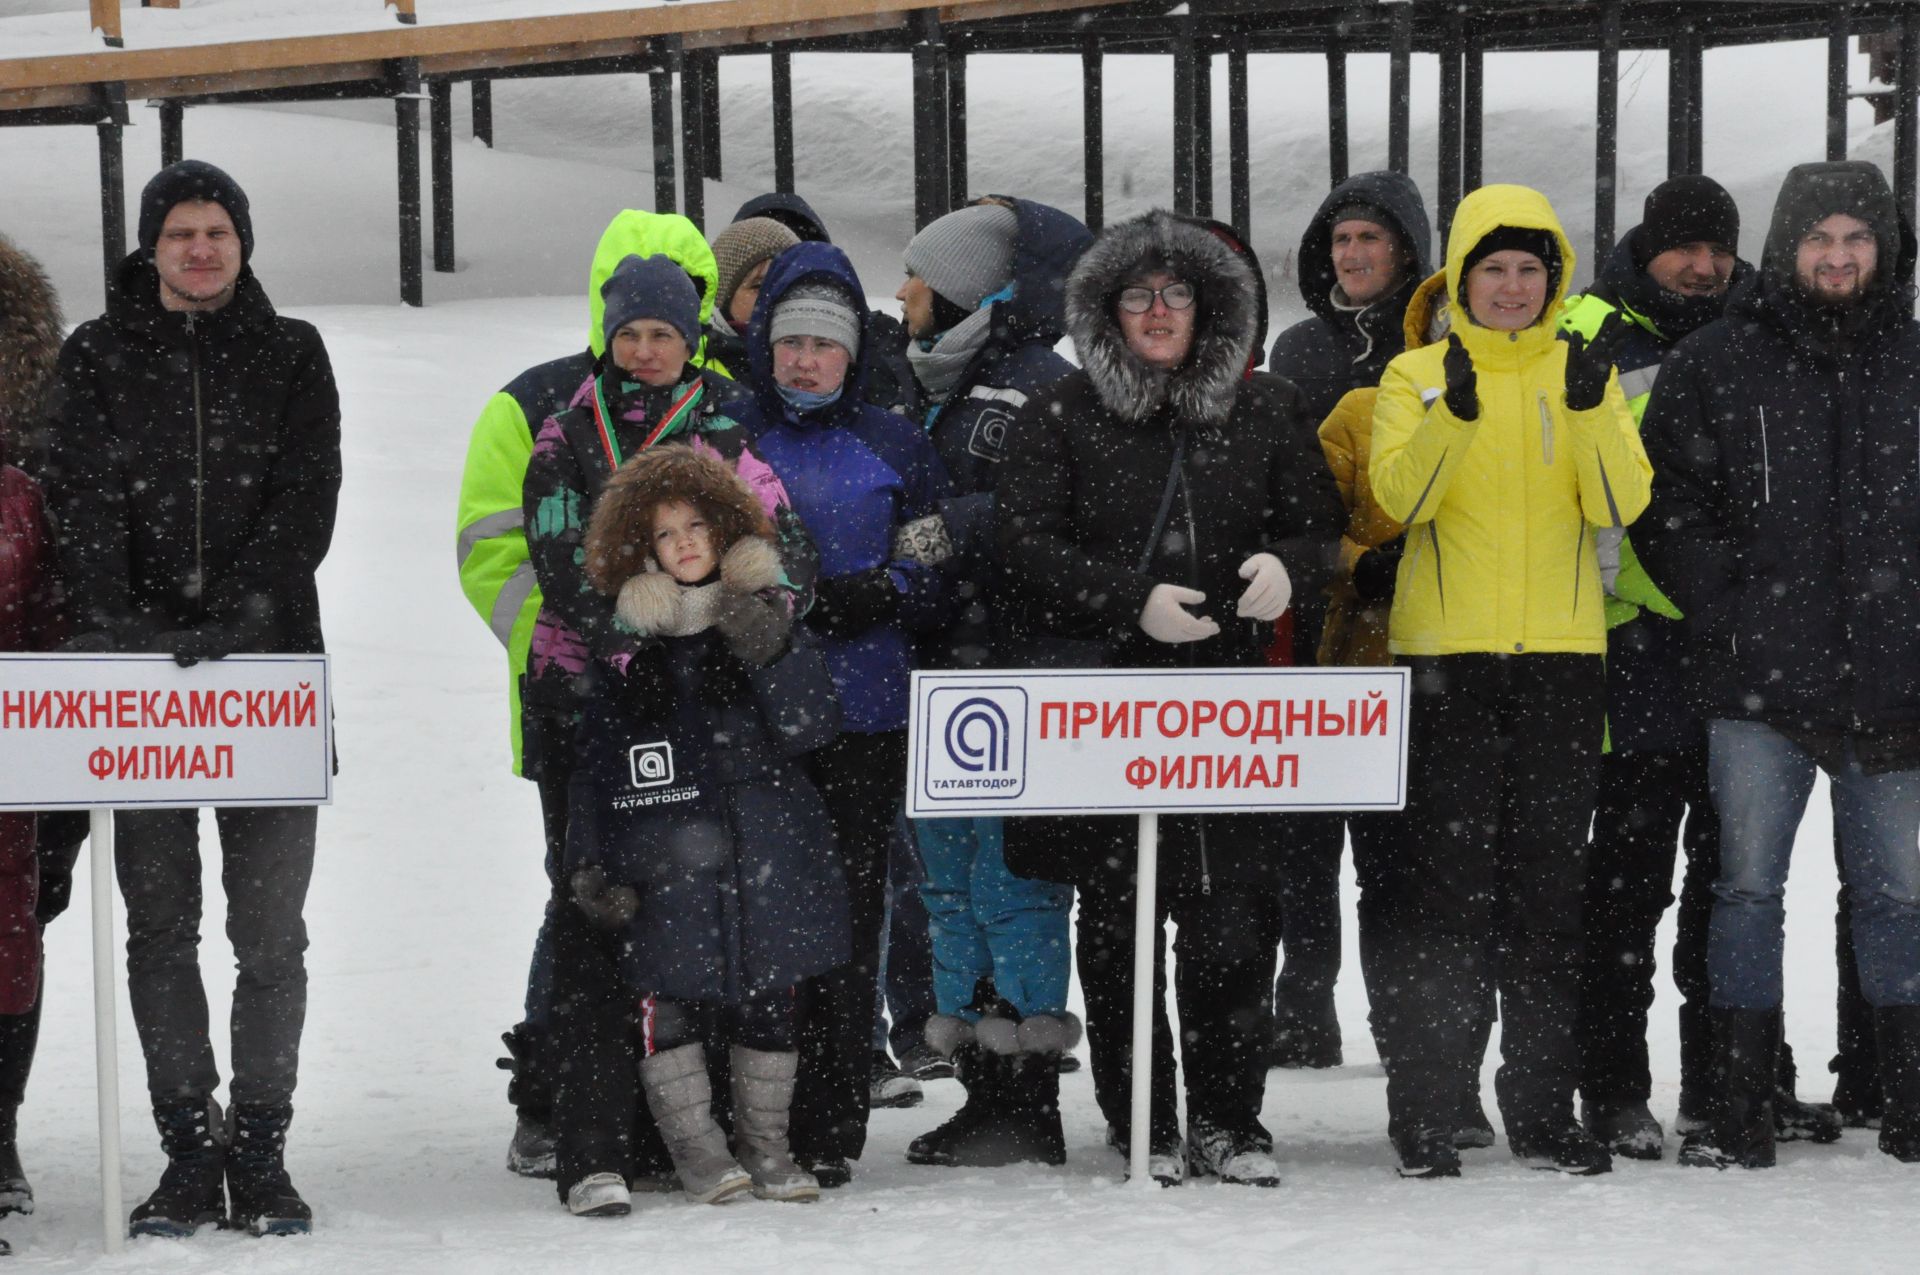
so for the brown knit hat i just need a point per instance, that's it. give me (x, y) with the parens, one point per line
(741, 247)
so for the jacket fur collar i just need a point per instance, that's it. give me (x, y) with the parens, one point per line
(1201, 391)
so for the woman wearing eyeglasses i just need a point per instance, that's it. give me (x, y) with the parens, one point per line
(1161, 503)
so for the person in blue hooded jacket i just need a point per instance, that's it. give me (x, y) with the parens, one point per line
(856, 474)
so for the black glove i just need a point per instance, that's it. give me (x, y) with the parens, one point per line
(98, 642)
(1374, 573)
(1589, 362)
(1463, 398)
(206, 642)
(607, 907)
(753, 629)
(844, 606)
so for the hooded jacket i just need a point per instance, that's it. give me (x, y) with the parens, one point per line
(1501, 510)
(856, 474)
(1786, 519)
(195, 467)
(1084, 478)
(490, 547)
(1343, 347)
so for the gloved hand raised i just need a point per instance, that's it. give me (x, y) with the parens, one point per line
(207, 642)
(1589, 362)
(1463, 386)
(1165, 617)
(1269, 588)
(607, 907)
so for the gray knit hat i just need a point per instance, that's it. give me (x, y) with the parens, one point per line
(817, 308)
(967, 255)
(741, 247)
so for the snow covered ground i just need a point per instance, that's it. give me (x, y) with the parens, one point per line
(427, 891)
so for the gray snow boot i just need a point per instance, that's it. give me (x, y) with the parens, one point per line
(762, 1096)
(681, 1099)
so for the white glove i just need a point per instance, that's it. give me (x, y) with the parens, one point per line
(1269, 588)
(1165, 618)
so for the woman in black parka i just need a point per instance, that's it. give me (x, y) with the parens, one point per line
(1163, 505)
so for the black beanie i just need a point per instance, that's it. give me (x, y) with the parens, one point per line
(1540, 243)
(193, 179)
(1682, 210)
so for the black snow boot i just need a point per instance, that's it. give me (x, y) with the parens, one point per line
(16, 1193)
(532, 1153)
(1428, 1153)
(192, 1186)
(971, 1132)
(1307, 1036)
(1897, 1028)
(1562, 1149)
(1746, 1044)
(264, 1201)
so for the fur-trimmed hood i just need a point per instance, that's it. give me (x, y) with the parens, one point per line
(1200, 391)
(31, 332)
(618, 537)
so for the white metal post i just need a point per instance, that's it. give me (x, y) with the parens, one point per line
(106, 1045)
(1146, 946)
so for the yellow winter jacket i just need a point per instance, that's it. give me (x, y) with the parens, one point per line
(1501, 510)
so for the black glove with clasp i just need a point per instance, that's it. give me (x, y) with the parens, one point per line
(607, 907)
(1590, 362)
(1463, 397)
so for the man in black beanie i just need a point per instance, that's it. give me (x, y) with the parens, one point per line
(193, 472)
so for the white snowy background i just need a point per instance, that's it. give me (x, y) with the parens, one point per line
(429, 886)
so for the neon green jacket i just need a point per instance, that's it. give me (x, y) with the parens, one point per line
(491, 544)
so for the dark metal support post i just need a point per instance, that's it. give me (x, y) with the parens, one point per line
(710, 115)
(1451, 95)
(1239, 148)
(693, 140)
(1606, 133)
(1679, 96)
(1185, 72)
(406, 121)
(1336, 115)
(1906, 122)
(483, 112)
(1696, 102)
(173, 133)
(666, 196)
(957, 120)
(440, 134)
(1839, 30)
(1093, 126)
(113, 197)
(1203, 133)
(932, 126)
(783, 121)
(1472, 125)
(1400, 88)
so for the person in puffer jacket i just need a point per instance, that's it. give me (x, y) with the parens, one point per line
(1503, 450)
(1165, 506)
(697, 836)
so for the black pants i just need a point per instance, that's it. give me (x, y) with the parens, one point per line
(1485, 885)
(1224, 966)
(1309, 911)
(861, 779)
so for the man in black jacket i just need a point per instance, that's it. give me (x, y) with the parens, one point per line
(1784, 525)
(194, 471)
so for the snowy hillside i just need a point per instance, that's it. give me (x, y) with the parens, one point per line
(428, 885)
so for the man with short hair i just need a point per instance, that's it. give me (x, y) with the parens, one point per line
(1783, 525)
(194, 472)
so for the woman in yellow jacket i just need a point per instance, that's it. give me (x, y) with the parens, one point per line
(1503, 451)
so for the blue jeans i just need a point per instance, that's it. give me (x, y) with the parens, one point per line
(987, 922)
(1760, 781)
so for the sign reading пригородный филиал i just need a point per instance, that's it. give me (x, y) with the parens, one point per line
(1172, 741)
(138, 731)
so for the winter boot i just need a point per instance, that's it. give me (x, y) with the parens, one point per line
(681, 1098)
(1241, 1157)
(1568, 1149)
(1473, 1130)
(1166, 1164)
(263, 1199)
(1746, 1045)
(1306, 1036)
(531, 1154)
(16, 1193)
(762, 1096)
(1429, 1153)
(1858, 1098)
(600, 1195)
(1897, 1027)
(1796, 1121)
(1625, 1128)
(192, 1190)
(889, 1086)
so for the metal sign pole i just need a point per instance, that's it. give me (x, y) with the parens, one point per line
(106, 1045)
(1146, 946)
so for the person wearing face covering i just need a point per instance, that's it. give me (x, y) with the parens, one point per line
(1504, 451)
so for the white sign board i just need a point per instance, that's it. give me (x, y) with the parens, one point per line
(138, 731)
(1172, 741)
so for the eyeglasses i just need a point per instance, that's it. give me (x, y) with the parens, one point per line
(1178, 296)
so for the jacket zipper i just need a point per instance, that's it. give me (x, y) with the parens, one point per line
(1546, 429)
(199, 472)
(1766, 465)
(1193, 581)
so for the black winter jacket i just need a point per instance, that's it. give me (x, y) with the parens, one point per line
(1785, 519)
(195, 467)
(1084, 479)
(1341, 349)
